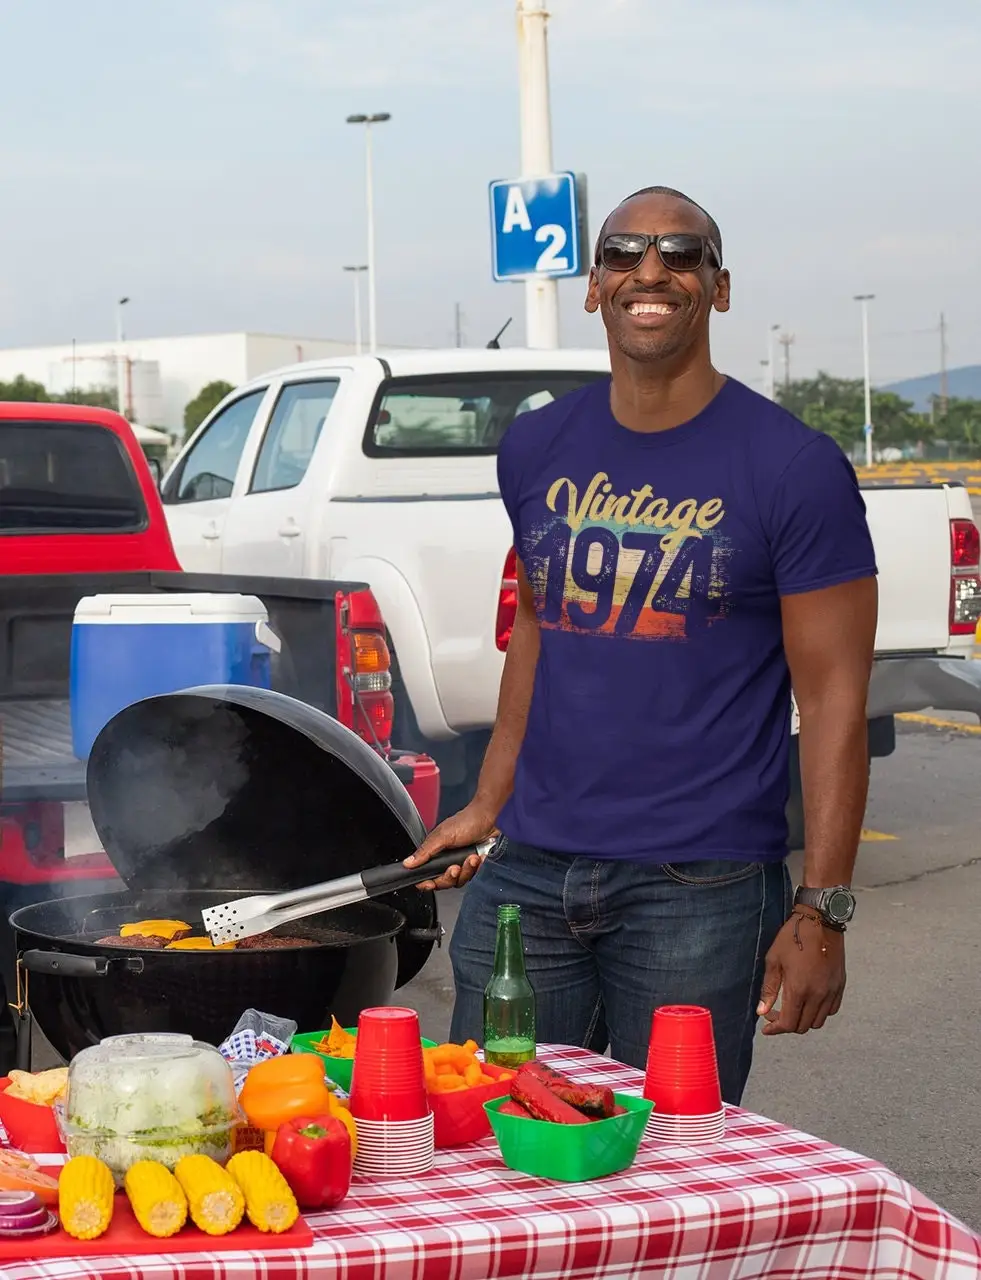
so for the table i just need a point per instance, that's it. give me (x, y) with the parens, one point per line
(766, 1202)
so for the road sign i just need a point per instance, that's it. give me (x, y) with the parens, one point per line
(538, 227)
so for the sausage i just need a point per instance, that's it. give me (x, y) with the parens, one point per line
(594, 1101)
(535, 1096)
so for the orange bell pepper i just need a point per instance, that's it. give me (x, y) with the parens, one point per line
(282, 1088)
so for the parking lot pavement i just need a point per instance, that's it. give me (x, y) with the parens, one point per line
(897, 1074)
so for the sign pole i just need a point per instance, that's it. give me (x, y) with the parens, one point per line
(541, 295)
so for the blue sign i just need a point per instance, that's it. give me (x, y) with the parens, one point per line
(538, 227)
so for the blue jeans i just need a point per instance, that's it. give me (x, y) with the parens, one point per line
(607, 942)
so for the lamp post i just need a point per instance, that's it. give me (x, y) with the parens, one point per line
(368, 120)
(356, 272)
(865, 299)
(120, 358)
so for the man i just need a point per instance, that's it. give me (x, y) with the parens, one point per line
(687, 550)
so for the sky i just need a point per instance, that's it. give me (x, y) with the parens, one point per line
(194, 156)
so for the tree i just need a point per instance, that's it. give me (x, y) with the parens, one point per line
(196, 410)
(837, 406)
(23, 390)
(960, 426)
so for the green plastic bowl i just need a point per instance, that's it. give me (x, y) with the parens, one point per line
(571, 1152)
(339, 1070)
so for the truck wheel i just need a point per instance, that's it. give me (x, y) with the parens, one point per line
(795, 802)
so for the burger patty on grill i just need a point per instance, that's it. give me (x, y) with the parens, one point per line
(271, 941)
(142, 941)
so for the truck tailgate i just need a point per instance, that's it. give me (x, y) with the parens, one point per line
(911, 532)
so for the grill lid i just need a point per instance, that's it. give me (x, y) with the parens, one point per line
(230, 787)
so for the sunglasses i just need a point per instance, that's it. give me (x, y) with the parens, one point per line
(678, 250)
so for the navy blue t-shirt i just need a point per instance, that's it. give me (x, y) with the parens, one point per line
(660, 719)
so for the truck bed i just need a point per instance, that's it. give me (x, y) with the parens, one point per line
(37, 760)
(36, 616)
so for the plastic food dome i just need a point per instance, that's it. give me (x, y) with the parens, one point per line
(149, 1097)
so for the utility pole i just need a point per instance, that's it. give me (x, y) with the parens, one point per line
(121, 397)
(864, 299)
(943, 366)
(541, 295)
(458, 324)
(786, 341)
(770, 381)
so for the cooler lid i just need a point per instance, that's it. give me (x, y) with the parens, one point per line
(171, 607)
(230, 787)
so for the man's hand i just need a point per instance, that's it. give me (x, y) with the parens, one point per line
(806, 968)
(470, 826)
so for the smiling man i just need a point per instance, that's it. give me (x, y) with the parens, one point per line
(687, 550)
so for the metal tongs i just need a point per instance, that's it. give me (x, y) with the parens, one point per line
(245, 917)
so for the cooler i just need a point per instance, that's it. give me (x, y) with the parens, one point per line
(128, 647)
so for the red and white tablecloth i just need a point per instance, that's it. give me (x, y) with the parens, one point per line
(765, 1202)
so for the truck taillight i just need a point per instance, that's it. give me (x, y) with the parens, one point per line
(965, 577)
(507, 601)
(364, 669)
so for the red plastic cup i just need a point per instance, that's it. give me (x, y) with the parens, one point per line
(388, 1082)
(682, 1077)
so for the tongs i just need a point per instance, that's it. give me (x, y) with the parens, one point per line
(245, 917)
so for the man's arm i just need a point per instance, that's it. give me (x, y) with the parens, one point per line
(477, 820)
(829, 639)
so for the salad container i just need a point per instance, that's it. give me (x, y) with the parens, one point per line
(150, 1097)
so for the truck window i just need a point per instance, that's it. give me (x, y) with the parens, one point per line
(208, 469)
(462, 414)
(66, 477)
(292, 434)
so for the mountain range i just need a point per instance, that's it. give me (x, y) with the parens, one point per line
(962, 384)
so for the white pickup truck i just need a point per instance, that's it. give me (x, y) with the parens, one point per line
(382, 470)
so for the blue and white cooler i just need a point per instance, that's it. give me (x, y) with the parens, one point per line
(129, 647)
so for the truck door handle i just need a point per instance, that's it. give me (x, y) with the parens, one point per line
(211, 532)
(291, 530)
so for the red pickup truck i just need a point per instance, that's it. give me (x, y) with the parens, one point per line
(80, 514)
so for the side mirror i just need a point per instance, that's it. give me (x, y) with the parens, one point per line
(156, 471)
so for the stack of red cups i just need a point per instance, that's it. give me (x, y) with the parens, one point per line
(682, 1077)
(388, 1096)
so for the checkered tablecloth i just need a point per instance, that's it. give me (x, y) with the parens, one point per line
(765, 1202)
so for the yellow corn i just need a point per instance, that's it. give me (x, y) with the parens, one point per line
(158, 1201)
(214, 1198)
(269, 1202)
(86, 1194)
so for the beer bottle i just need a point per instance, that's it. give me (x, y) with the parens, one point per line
(509, 1001)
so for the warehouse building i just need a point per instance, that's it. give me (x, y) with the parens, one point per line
(160, 375)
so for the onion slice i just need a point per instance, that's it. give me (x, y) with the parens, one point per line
(48, 1223)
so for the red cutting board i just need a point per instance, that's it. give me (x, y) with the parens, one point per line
(125, 1235)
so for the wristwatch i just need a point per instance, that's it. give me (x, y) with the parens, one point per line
(835, 905)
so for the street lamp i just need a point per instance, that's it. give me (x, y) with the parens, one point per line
(378, 118)
(356, 272)
(865, 299)
(120, 358)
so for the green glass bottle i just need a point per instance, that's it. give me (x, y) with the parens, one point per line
(509, 1001)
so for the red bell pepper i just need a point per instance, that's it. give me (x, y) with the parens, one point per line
(314, 1156)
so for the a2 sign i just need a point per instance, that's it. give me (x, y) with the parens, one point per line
(538, 227)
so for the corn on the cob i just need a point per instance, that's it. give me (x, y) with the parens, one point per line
(158, 1200)
(214, 1198)
(269, 1202)
(86, 1195)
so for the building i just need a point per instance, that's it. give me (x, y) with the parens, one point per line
(162, 374)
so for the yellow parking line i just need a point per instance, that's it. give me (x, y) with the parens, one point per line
(868, 836)
(934, 722)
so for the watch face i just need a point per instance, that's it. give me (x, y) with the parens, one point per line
(840, 906)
